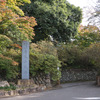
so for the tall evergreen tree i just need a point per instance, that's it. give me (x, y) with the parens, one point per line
(56, 18)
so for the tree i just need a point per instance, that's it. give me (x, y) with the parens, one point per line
(56, 18)
(87, 35)
(13, 30)
(14, 5)
(13, 27)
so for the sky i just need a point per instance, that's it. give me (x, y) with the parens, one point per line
(83, 3)
(86, 5)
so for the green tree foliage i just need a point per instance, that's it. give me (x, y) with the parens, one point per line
(57, 18)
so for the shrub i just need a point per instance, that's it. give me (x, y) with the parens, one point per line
(72, 56)
(15, 54)
(68, 54)
(94, 55)
(8, 68)
(46, 64)
(44, 47)
(83, 60)
(43, 58)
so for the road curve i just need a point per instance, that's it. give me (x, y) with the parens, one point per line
(69, 91)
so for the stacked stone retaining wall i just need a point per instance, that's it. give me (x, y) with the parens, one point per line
(71, 75)
(43, 79)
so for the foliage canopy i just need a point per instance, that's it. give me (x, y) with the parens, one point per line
(87, 35)
(14, 28)
(14, 5)
(56, 18)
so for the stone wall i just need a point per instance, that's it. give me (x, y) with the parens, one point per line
(43, 79)
(70, 75)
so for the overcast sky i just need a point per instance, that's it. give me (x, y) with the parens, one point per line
(85, 5)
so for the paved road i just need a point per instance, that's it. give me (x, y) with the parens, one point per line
(70, 91)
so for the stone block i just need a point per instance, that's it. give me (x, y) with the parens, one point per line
(26, 83)
(4, 83)
(2, 93)
(31, 90)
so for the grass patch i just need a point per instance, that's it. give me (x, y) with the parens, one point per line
(8, 88)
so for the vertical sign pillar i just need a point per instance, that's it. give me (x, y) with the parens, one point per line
(25, 60)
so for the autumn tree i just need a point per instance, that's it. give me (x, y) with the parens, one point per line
(14, 5)
(13, 30)
(87, 35)
(13, 27)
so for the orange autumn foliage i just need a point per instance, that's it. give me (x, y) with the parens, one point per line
(22, 27)
(16, 45)
(89, 29)
(13, 62)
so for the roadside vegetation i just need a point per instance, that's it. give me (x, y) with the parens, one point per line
(56, 38)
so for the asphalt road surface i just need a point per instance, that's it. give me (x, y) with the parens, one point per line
(70, 91)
